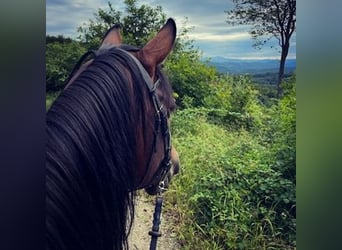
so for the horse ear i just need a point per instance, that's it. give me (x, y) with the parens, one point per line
(112, 36)
(157, 49)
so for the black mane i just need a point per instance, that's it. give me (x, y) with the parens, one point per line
(91, 146)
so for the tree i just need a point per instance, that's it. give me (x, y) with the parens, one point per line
(138, 23)
(188, 75)
(58, 39)
(92, 32)
(274, 18)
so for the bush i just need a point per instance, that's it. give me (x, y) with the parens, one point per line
(233, 103)
(229, 195)
(60, 60)
(189, 77)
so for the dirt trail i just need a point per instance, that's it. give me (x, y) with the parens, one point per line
(139, 238)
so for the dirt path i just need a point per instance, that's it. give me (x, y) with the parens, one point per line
(139, 238)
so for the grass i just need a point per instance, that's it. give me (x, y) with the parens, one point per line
(218, 200)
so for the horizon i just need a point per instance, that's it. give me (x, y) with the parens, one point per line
(251, 58)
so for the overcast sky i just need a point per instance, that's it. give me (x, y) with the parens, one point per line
(211, 34)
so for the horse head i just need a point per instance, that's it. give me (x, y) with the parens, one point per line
(157, 159)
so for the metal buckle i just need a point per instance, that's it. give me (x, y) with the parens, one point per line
(161, 187)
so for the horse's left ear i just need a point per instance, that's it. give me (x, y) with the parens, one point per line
(112, 36)
(157, 49)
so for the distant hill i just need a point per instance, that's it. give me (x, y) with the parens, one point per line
(262, 71)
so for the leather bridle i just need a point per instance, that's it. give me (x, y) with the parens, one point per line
(161, 125)
(161, 115)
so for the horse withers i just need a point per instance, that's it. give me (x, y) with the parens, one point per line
(107, 136)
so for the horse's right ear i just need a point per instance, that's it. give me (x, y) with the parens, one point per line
(157, 49)
(112, 36)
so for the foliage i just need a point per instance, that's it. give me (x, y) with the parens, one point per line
(142, 22)
(220, 91)
(92, 32)
(281, 123)
(233, 102)
(232, 193)
(267, 94)
(138, 24)
(60, 60)
(58, 39)
(189, 77)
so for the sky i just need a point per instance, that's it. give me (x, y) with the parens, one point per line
(211, 34)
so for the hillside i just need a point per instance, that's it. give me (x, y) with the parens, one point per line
(262, 71)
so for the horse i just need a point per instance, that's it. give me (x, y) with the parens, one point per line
(107, 137)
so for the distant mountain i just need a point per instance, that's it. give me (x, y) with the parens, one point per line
(239, 66)
(263, 71)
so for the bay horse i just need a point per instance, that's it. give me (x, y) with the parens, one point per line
(108, 136)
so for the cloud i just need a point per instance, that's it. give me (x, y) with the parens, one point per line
(218, 37)
(211, 33)
(63, 17)
(194, 8)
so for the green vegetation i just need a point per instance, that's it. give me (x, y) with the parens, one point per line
(139, 23)
(61, 56)
(237, 185)
(236, 141)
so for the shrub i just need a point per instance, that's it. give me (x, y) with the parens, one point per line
(189, 76)
(229, 194)
(60, 60)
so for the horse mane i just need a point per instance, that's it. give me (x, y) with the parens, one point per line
(91, 147)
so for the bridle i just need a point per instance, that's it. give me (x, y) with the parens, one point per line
(161, 116)
(160, 126)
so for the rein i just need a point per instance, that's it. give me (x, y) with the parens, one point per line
(154, 233)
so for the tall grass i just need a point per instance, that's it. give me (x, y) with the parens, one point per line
(227, 195)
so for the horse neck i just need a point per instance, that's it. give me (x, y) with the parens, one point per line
(89, 167)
